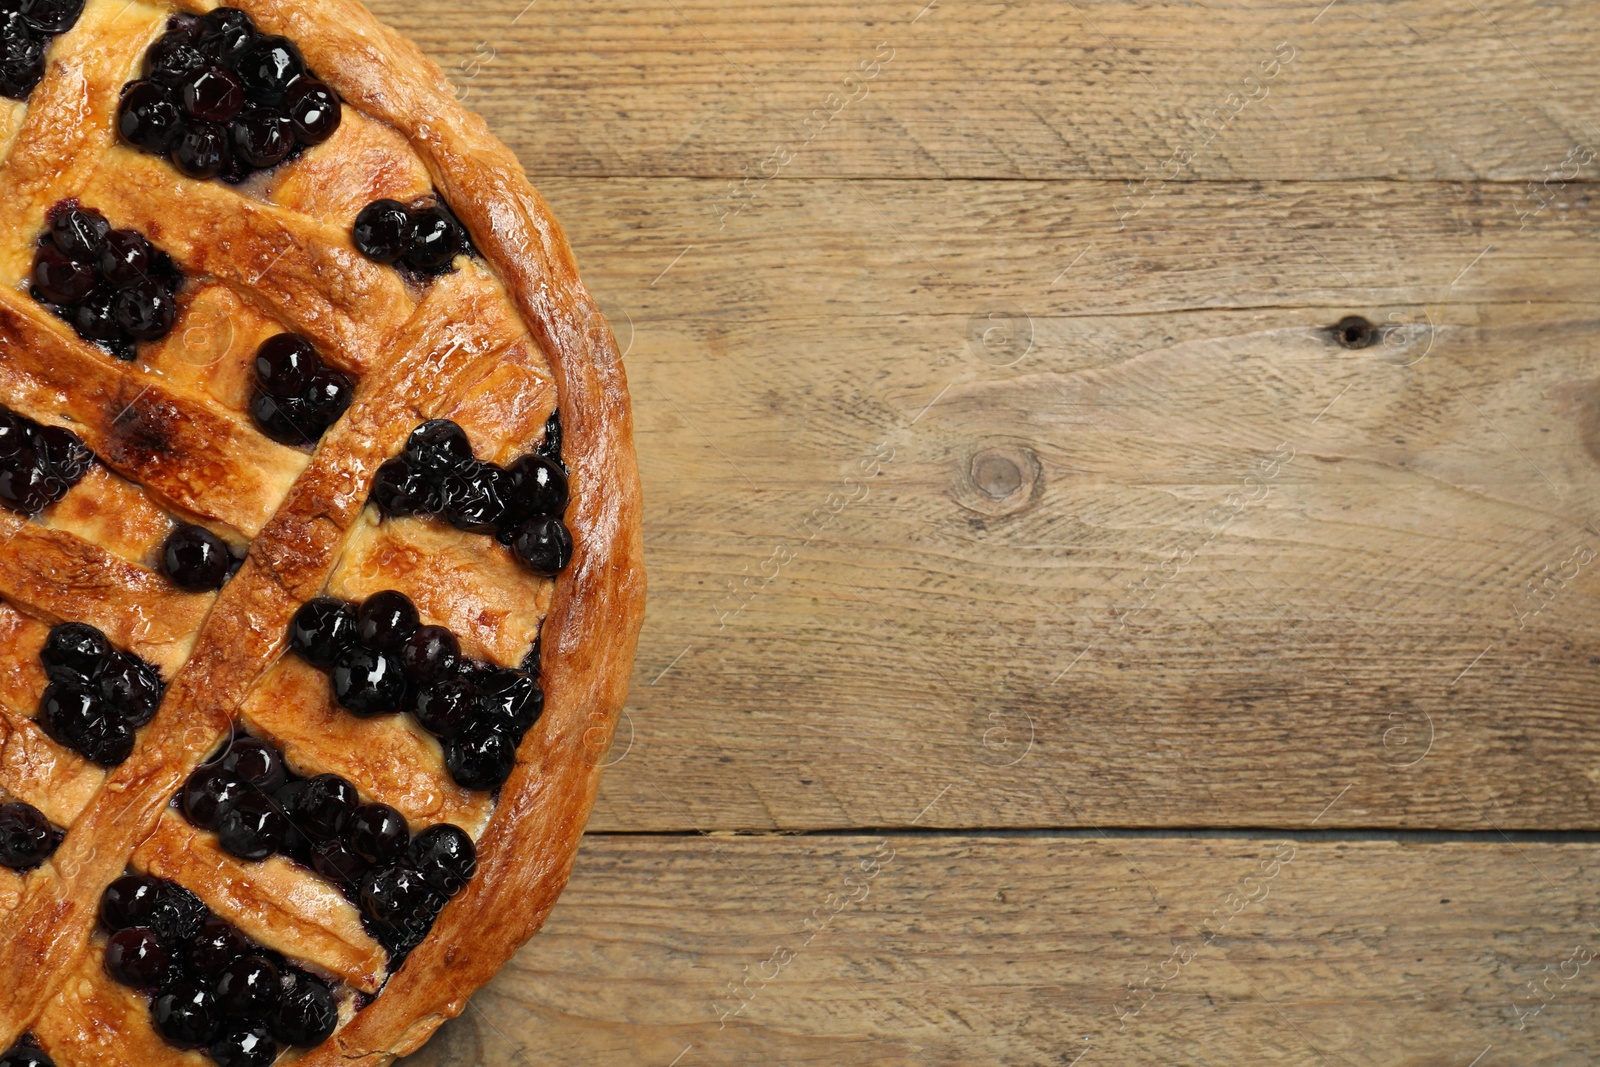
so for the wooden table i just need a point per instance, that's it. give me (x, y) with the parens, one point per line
(1121, 497)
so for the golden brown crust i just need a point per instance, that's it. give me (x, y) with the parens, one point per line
(62, 578)
(272, 902)
(200, 457)
(390, 760)
(526, 854)
(454, 352)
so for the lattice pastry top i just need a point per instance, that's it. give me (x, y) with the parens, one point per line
(320, 563)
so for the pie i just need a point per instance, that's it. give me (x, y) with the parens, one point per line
(320, 558)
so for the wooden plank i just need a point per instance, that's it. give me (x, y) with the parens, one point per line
(1117, 89)
(1275, 566)
(1028, 951)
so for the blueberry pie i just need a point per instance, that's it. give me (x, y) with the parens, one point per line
(320, 563)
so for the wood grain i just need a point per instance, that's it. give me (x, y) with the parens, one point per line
(1004, 469)
(1419, 565)
(1035, 89)
(1029, 951)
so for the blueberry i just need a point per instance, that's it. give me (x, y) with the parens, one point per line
(26, 1056)
(268, 67)
(287, 420)
(439, 447)
(262, 137)
(225, 34)
(48, 17)
(199, 151)
(296, 844)
(446, 707)
(95, 317)
(145, 310)
(313, 109)
(125, 258)
(183, 25)
(63, 453)
(26, 837)
(436, 240)
(187, 1015)
(131, 688)
(386, 621)
(68, 711)
(398, 897)
(510, 701)
(401, 489)
(253, 828)
(173, 60)
(383, 231)
(61, 280)
(367, 682)
(325, 806)
(176, 914)
(130, 901)
(322, 629)
(550, 447)
(307, 1014)
(480, 757)
(212, 94)
(138, 957)
(214, 947)
(285, 364)
(445, 857)
(257, 763)
(247, 988)
(108, 741)
(16, 434)
(329, 393)
(336, 861)
(473, 499)
(75, 651)
(534, 486)
(244, 1048)
(78, 231)
(378, 833)
(164, 270)
(430, 655)
(195, 559)
(234, 169)
(544, 545)
(210, 793)
(22, 57)
(148, 119)
(27, 487)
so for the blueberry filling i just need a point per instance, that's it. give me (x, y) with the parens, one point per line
(112, 286)
(222, 100)
(196, 560)
(26, 1053)
(424, 239)
(26, 27)
(297, 395)
(97, 696)
(253, 1047)
(382, 661)
(209, 986)
(520, 505)
(258, 807)
(38, 464)
(27, 838)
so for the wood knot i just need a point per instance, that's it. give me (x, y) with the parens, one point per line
(1353, 331)
(999, 480)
